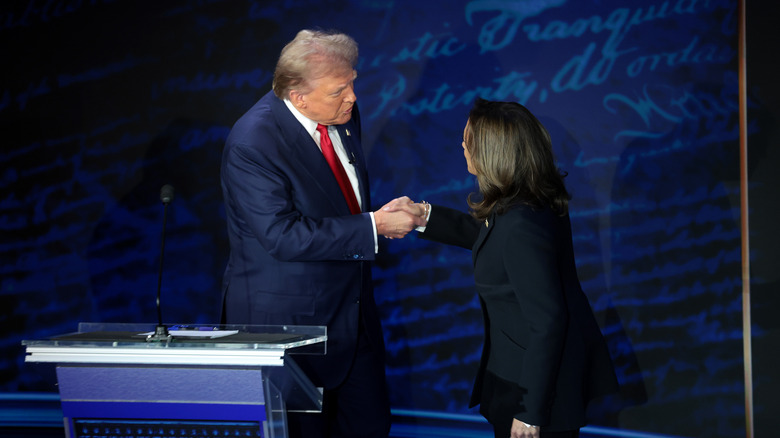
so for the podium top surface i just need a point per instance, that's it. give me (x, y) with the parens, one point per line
(230, 345)
(117, 346)
(192, 336)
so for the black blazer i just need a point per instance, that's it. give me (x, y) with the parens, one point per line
(540, 333)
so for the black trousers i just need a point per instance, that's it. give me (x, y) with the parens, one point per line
(501, 400)
(358, 408)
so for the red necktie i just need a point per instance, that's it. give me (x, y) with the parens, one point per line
(338, 169)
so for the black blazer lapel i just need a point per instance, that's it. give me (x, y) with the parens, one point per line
(484, 231)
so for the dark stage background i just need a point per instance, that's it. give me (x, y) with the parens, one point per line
(103, 102)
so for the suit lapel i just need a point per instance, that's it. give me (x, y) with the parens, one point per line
(350, 141)
(305, 150)
(484, 231)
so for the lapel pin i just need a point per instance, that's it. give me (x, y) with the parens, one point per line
(347, 132)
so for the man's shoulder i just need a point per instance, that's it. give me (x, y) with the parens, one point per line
(261, 118)
(263, 111)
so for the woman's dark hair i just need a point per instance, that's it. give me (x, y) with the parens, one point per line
(512, 156)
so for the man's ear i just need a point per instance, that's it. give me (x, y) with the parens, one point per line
(298, 100)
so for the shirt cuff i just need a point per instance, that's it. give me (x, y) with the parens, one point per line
(427, 216)
(376, 238)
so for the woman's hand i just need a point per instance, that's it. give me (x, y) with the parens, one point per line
(522, 430)
(398, 217)
(405, 204)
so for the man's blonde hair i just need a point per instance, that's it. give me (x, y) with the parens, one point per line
(312, 55)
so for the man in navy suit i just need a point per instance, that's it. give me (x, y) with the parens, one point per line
(299, 254)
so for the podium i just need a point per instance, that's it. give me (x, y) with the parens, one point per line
(228, 380)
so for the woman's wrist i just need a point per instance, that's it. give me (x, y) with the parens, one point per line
(426, 211)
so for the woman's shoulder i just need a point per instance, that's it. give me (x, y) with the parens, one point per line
(532, 219)
(530, 224)
(525, 212)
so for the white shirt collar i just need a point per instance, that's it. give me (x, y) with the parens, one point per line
(308, 124)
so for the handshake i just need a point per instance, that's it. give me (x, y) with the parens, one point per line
(400, 216)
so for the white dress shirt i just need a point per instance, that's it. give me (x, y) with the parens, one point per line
(311, 127)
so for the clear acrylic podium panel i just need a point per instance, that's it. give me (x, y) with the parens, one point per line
(228, 379)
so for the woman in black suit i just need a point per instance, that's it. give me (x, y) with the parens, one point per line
(544, 356)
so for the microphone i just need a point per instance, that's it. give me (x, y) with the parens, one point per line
(352, 158)
(161, 332)
(166, 194)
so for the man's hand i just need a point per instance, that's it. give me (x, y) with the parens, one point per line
(405, 204)
(394, 221)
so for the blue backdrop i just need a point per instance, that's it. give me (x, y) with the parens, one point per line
(103, 102)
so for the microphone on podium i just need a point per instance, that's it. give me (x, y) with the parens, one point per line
(161, 332)
(166, 194)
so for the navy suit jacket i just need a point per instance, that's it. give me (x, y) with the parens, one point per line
(541, 336)
(297, 255)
